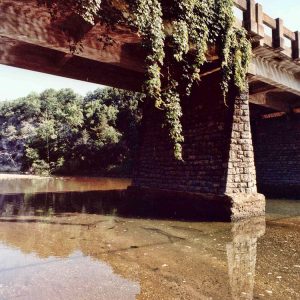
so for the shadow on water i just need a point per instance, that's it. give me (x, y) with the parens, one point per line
(111, 202)
(120, 203)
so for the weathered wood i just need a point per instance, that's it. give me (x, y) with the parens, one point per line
(241, 4)
(270, 73)
(254, 20)
(278, 36)
(250, 22)
(29, 39)
(289, 34)
(260, 22)
(45, 60)
(264, 99)
(26, 22)
(296, 46)
(269, 21)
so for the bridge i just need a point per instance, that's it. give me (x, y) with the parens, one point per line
(218, 173)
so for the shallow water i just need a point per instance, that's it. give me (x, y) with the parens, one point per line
(51, 248)
(11, 184)
(76, 276)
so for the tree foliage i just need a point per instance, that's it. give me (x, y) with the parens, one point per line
(176, 35)
(61, 132)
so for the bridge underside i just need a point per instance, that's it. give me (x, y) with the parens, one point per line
(276, 141)
(29, 40)
(218, 172)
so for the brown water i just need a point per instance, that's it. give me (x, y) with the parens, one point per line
(74, 240)
(26, 185)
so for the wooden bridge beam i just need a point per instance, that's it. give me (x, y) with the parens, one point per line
(41, 59)
(30, 40)
(271, 73)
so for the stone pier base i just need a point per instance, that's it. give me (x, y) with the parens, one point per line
(246, 205)
(197, 206)
(216, 178)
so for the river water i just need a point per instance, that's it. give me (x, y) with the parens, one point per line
(70, 238)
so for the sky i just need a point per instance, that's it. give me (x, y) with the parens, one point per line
(287, 10)
(16, 83)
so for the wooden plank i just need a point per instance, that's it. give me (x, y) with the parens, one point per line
(296, 46)
(241, 4)
(25, 22)
(269, 21)
(260, 22)
(287, 51)
(289, 34)
(278, 36)
(250, 23)
(268, 41)
(272, 74)
(45, 60)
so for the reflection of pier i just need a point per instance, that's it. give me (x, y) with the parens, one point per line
(241, 255)
(55, 231)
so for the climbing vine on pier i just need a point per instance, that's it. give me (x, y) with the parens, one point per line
(176, 35)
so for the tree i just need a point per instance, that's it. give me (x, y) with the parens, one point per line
(61, 132)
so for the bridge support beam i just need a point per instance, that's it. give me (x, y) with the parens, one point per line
(216, 178)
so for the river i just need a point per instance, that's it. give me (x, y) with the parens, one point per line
(72, 238)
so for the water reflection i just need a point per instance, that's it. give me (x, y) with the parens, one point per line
(100, 202)
(91, 236)
(36, 246)
(30, 277)
(31, 185)
(241, 255)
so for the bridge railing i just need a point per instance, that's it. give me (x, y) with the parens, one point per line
(269, 32)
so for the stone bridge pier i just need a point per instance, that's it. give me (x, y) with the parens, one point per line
(217, 173)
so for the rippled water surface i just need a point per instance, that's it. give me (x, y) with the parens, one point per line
(72, 239)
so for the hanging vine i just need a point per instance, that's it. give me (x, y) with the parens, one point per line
(176, 35)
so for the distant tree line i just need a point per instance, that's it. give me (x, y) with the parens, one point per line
(60, 132)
